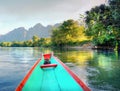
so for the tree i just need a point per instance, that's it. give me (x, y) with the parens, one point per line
(16, 44)
(35, 41)
(68, 33)
(5, 44)
(100, 25)
(28, 43)
(45, 42)
(115, 9)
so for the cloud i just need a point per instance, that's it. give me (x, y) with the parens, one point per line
(26, 7)
(42, 7)
(16, 13)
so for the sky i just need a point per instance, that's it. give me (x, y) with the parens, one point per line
(27, 13)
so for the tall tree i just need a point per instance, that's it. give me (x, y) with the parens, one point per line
(28, 43)
(115, 9)
(69, 32)
(35, 41)
(101, 25)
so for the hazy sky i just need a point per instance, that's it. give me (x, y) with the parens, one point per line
(26, 13)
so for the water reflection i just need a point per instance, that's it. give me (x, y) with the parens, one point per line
(104, 71)
(78, 57)
(100, 70)
(77, 60)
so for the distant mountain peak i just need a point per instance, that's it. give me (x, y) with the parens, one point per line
(38, 25)
(20, 28)
(49, 26)
(21, 34)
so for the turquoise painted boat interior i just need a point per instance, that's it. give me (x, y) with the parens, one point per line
(51, 79)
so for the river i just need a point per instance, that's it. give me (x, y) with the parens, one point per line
(99, 70)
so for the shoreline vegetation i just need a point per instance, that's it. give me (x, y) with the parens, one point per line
(86, 45)
(47, 43)
(99, 28)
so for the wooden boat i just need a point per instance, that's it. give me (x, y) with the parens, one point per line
(55, 76)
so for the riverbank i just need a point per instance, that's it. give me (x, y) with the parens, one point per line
(83, 46)
(90, 46)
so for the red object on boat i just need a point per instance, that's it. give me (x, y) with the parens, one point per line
(62, 78)
(47, 56)
(48, 65)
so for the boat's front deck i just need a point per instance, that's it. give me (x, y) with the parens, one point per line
(51, 79)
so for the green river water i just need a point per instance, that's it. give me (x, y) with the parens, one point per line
(99, 70)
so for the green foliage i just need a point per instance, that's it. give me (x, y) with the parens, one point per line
(16, 44)
(115, 10)
(68, 33)
(103, 23)
(45, 42)
(28, 43)
(5, 44)
(35, 42)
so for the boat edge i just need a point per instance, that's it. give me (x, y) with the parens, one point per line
(22, 83)
(77, 79)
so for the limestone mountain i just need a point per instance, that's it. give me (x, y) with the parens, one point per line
(22, 34)
(18, 34)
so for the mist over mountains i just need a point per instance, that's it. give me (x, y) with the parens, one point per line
(22, 34)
